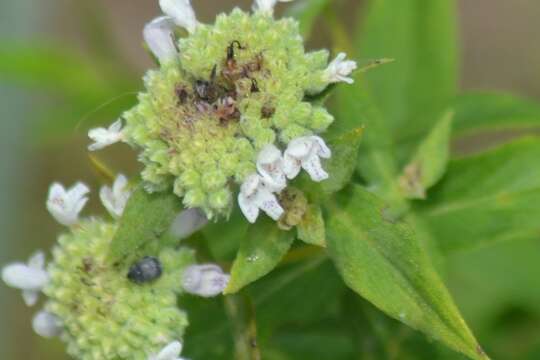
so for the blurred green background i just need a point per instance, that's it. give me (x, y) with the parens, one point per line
(66, 65)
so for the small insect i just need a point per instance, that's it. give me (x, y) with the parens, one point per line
(207, 90)
(254, 86)
(145, 270)
(231, 61)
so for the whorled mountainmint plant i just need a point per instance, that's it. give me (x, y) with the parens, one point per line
(107, 308)
(226, 112)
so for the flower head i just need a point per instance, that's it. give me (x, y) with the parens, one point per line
(181, 12)
(266, 6)
(105, 137)
(115, 199)
(204, 280)
(171, 351)
(47, 325)
(30, 277)
(65, 205)
(305, 153)
(159, 36)
(339, 70)
(256, 195)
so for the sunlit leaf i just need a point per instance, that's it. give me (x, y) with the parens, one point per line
(383, 262)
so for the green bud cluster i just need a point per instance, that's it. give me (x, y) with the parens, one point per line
(236, 86)
(105, 315)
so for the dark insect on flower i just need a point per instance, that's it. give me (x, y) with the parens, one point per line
(207, 90)
(145, 270)
(254, 86)
(231, 61)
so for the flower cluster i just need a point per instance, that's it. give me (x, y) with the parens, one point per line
(106, 308)
(223, 100)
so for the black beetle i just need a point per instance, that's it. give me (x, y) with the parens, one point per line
(145, 270)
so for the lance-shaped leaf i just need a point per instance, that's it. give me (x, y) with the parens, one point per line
(260, 251)
(486, 198)
(146, 220)
(312, 230)
(384, 262)
(429, 163)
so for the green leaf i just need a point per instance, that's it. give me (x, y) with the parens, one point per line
(486, 198)
(260, 251)
(146, 221)
(342, 164)
(311, 230)
(429, 163)
(421, 37)
(307, 12)
(477, 112)
(384, 262)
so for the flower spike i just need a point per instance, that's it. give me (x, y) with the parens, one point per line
(104, 137)
(115, 199)
(305, 152)
(169, 352)
(46, 325)
(181, 12)
(30, 277)
(65, 205)
(255, 195)
(340, 69)
(159, 36)
(205, 280)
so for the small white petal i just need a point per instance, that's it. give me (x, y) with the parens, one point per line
(65, 205)
(115, 199)
(104, 137)
(268, 203)
(188, 222)
(266, 6)
(181, 12)
(256, 194)
(204, 280)
(313, 167)
(171, 351)
(46, 324)
(30, 297)
(322, 149)
(305, 152)
(250, 185)
(270, 167)
(159, 36)
(340, 69)
(248, 207)
(37, 261)
(24, 277)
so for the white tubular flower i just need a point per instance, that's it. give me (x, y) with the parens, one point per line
(339, 70)
(266, 6)
(104, 137)
(30, 277)
(305, 152)
(159, 36)
(115, 199)
(65, 205)
(188, 222)
(270, 167)
(170, 352)
(46, 325)
(181, 12)
(206, 280)
(255, 195)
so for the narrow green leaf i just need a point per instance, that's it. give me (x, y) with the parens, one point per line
(429, 163)
(384, 262)
(307, 12)
(146, 220)
(342, 164)
(260, 251)
(477, 112)
(486, 198)
(421, 37)
(312, 230)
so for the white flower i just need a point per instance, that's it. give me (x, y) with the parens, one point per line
(188, 222)
(30, 277)
(266, 6)
(65, 205)
(270, 167)
(115, 199)
(170, 352)
(104, 137)
(305, 152)
(204, 280)
(159, 36)
(181, 12)
(46, 324)
(255, 195)
(339, 70)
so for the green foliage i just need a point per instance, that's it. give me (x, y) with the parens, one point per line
(384, 262)
(312, 230)
(146, 221)
(307, 12)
